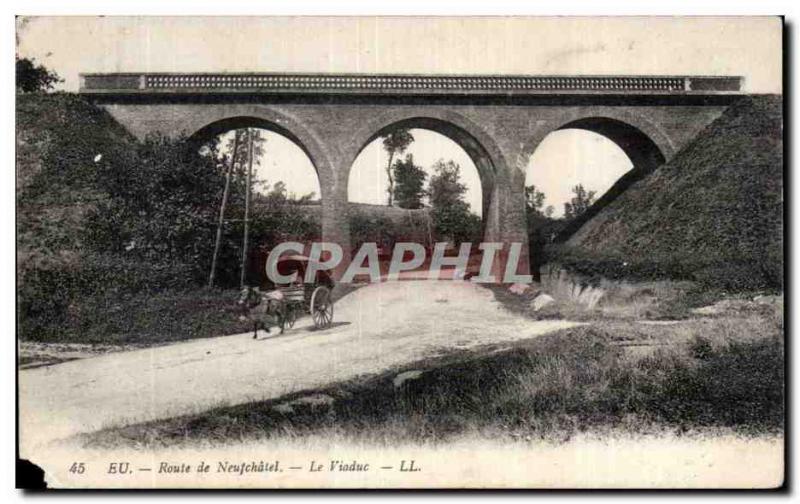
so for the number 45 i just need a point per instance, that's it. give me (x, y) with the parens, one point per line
(77, 468)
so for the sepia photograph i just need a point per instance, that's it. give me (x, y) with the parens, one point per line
(411, 252)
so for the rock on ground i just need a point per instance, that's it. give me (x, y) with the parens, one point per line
(541, 301)
(406, 376)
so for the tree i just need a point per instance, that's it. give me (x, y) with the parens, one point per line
(238, 155)
(542, 227)
(534, 202)
(235, 149)
(230, 152)
(276, 196)
(451, 215)
(445, 187)
(161, 205)
(409, 180)
(33, 78)
(395, 142)
(579, 203)
(276, 218)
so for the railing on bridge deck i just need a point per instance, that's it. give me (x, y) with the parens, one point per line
(405, 84)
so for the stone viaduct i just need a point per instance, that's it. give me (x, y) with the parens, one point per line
(497, 120)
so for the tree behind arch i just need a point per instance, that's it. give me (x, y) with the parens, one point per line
(395, 142)
(451, 214)
(409, 183)
(581, 202)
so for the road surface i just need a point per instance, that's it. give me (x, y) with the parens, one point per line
(376, 328)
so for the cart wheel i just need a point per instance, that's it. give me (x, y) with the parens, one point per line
(322, 307)
(291, 317)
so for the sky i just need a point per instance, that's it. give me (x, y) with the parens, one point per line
(749, 47)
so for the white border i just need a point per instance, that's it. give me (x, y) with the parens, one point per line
(313, 7)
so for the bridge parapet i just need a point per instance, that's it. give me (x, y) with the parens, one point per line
(114, 83)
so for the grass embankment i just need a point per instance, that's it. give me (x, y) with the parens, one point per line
(712, 214)
(702, 375)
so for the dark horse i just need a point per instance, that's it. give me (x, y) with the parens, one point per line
(264, 310)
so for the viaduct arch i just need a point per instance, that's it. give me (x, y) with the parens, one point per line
(498, 120)
(481, 148)
(641, 148)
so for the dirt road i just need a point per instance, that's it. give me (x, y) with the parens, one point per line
(375, 328)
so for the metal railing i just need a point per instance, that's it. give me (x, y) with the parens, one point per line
(160, 82)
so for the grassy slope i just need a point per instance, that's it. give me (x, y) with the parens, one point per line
(57, 139)
(719, 200)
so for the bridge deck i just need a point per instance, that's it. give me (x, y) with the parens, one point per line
(180, 83)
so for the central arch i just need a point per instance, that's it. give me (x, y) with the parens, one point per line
(475, 150)
(503, 218)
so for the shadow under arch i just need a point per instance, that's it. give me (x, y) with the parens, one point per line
(644, 153)
(475, 150)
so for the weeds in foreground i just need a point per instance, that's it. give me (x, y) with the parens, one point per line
(557, 386)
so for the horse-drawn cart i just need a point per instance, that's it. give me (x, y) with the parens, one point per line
(283, 305)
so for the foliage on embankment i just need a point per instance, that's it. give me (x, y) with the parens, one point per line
(108, 226)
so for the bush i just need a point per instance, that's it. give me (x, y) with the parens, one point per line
(456, 224)
(50, 299)
(161, 205)
(372, 228)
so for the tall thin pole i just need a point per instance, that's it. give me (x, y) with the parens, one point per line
(247, 206)
(221, 221)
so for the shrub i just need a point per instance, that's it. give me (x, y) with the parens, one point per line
(50, 299)
(371, 228)
(161, 205)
